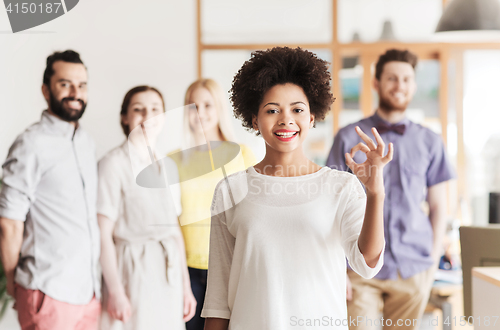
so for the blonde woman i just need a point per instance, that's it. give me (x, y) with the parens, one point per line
(207, 119)
(146, 283)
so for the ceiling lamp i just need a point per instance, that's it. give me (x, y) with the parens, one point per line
(387, 32)
(469, 21)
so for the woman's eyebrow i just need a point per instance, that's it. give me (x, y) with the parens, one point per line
(272, 103)
(294, 103)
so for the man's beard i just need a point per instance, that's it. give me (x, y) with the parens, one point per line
(58, 108)
(385, 104)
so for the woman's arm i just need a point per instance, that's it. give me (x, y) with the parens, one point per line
(371, 239)
(118, 305)
(216, 324)
(370, 173)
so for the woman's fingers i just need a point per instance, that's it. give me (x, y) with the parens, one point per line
(349, 156)
(360, 146)
(193, 310)
(189, 310)
(350, 162)
(126, 314)
(380, 142)
(366, 138)
(389, 155)
(186, 307)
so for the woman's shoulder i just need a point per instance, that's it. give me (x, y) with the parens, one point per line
(233, 187)
(339, 177)
(235, 179)
(115, 155)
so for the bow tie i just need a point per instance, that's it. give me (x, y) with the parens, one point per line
(383, 128)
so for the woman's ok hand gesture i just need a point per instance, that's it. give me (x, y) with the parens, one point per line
(370, 173)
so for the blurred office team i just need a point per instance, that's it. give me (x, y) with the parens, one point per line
(84, 246)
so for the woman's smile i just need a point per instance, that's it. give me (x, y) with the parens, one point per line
(285, 135)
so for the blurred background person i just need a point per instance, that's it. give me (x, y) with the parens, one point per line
(146, 283)
(49, 239)
(419, 171)
(208, 120)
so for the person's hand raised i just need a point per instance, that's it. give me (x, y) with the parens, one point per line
(370, 173)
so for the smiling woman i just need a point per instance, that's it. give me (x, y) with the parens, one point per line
(279, 120)
(146, 283)
(206, 121)
(278, 255)
(311, 75)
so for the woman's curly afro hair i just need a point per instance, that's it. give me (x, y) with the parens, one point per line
(276, 66)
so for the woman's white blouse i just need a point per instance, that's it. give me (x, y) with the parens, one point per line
(278, 247)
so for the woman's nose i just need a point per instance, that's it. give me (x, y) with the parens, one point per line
(285, 119)
(148, 114)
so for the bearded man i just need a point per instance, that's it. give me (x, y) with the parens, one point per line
(49, 236)
(418, 172)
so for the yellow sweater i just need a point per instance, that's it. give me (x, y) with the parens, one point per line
(196, 198)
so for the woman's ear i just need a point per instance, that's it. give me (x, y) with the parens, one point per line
(311, 122)
(254, 123)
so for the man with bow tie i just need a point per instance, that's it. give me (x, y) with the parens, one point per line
(418, 172)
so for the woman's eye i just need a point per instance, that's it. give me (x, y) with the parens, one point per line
(137, 110)
(298, 110)
(272, 111)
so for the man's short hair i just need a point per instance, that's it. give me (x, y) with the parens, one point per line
(395, 55)
(69, 56)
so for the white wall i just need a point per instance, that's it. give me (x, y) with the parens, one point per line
(123, 43)
(481, 133)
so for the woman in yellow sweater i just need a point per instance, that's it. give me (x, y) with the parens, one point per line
(209, 120)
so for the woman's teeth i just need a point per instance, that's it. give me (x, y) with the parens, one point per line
(286, 135)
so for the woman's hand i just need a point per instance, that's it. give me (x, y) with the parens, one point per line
(370, 173)
(119, 306)
(189, 304)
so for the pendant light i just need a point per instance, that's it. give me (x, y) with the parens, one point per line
(387, 32)
(469, 21)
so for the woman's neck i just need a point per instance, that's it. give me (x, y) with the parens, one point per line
(286, 164)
